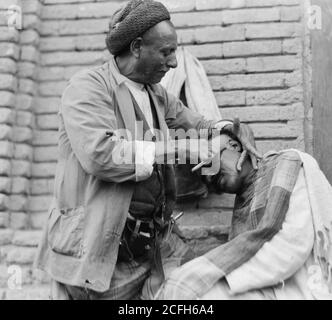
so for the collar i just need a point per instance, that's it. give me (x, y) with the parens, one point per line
(136, 85)
(120, 78)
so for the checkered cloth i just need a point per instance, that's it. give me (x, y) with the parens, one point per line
(258, 215)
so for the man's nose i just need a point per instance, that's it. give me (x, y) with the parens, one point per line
(172, 61)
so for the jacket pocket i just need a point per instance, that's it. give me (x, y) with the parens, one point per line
(65, 231)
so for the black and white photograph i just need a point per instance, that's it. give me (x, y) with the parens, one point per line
(174, 151)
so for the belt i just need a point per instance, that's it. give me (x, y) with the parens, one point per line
(136, 239)
(140, 227)
(141, 236)
(143, 239)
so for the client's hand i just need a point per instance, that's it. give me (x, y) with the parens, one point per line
(190, 281)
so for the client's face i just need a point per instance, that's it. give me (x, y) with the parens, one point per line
(229, 178)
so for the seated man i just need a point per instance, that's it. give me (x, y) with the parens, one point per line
(280, 239)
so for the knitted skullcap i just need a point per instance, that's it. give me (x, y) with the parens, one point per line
(132, 21)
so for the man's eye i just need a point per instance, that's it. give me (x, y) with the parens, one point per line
(234, 145)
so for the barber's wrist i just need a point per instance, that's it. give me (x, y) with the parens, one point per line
(183, 150)
(220, 125)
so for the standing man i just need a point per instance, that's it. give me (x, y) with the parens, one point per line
(109, 231)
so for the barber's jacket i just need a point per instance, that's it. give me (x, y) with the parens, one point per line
(93, 189)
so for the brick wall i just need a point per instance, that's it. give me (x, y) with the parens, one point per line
(252, 51)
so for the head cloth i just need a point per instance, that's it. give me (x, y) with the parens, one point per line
(132, 21)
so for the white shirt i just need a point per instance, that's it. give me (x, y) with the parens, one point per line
(144, 150)
(142, 98)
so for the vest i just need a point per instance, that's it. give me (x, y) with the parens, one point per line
(154, 197)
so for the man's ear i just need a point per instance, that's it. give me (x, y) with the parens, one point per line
(136, 46)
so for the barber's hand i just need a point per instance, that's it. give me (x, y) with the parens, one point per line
(213, 147)
(245, 135)
(201, 150)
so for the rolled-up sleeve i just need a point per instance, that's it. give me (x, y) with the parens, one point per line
(88, 113)
(144, 159)
(287, 251)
